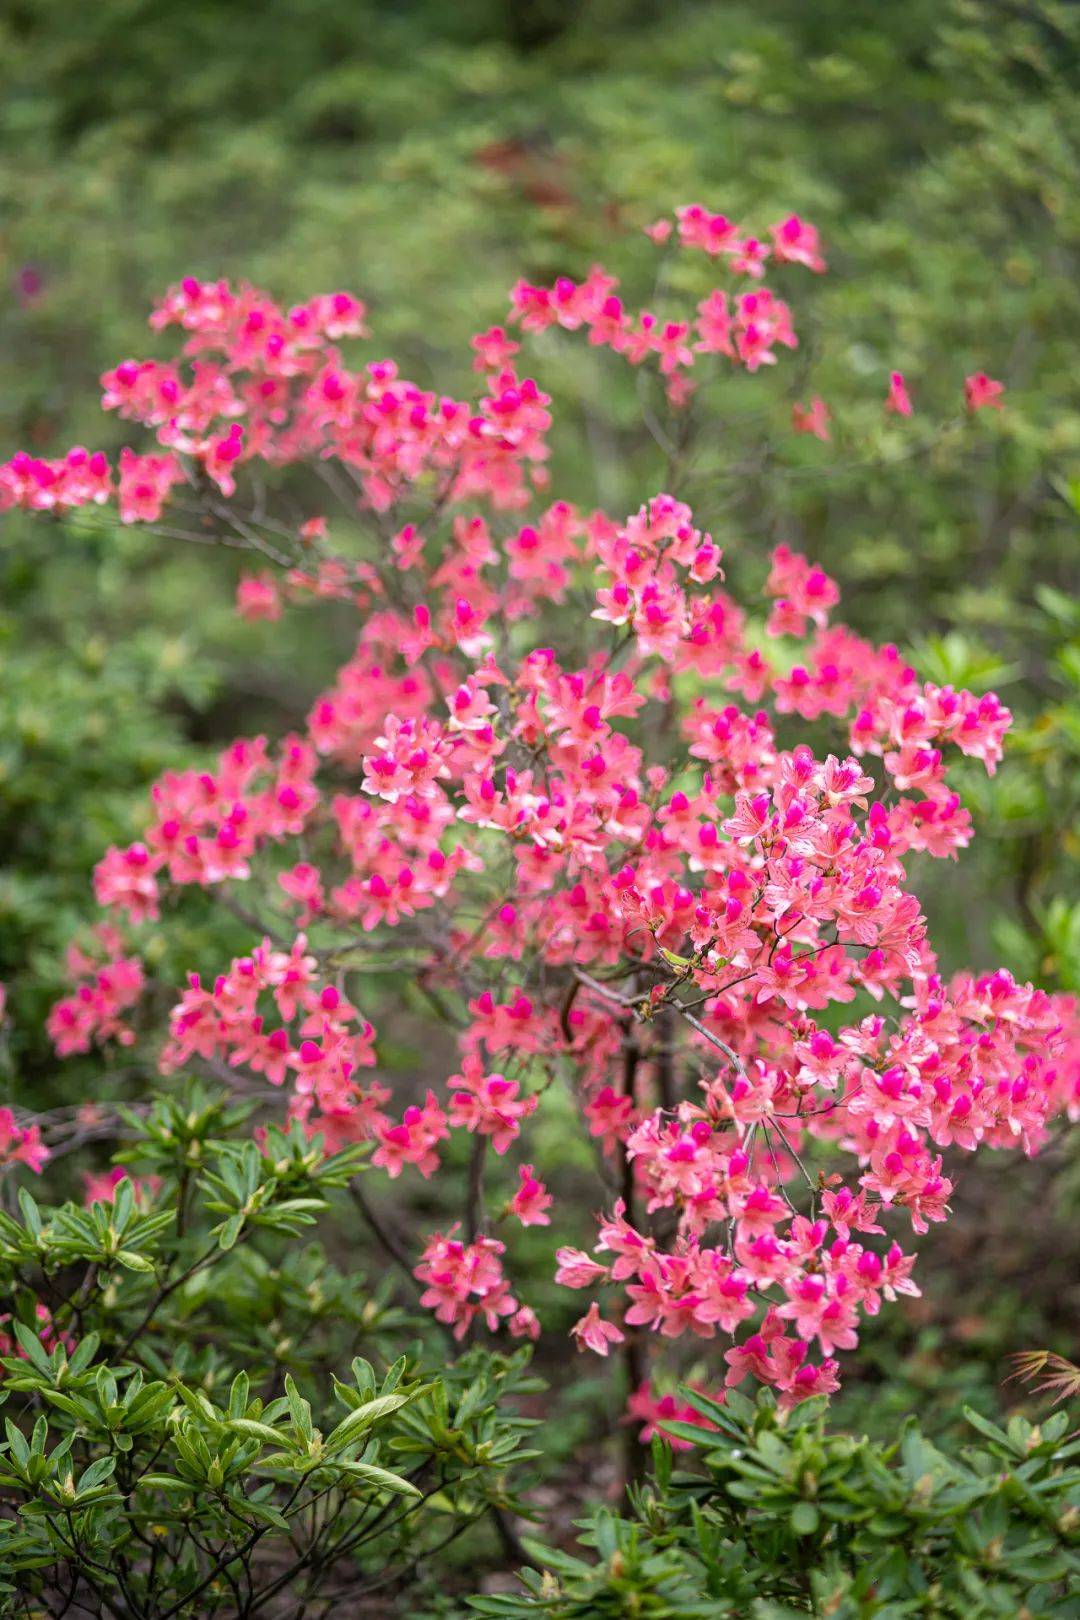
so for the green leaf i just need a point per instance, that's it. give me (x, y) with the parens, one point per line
(984, 1426)
(688, 1431)
(30, 1213)
(164, 1482)
(34, 1349)
(804, 1518)
(381, 1477)
(229, 1231)
(257, 1431)
(362, 1417)
(132, 1261)
(97, 1473)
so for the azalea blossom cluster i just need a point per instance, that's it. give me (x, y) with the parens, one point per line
(101, 1187)
(463, 1281)
(21, 1144)
(269, 1014)
(267, 383)
(654, 1411)
(107, 984)
(565, 784)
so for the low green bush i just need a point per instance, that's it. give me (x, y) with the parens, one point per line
(785, 1518)
(188, 1427)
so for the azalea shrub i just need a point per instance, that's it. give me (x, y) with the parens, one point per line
(645, 848)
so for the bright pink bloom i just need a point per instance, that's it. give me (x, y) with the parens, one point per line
(125, 878)
(898, 399)
(532, 1200)
(593, 1333)
(796, 241)
(21, 1144)
(257, 597)
(812, 419)
(981, 391)
(490, 1104)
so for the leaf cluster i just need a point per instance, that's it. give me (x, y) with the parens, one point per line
(785, 1518)
(188, 1428)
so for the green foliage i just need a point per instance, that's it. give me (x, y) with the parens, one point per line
(787, 1518)
(188, 1427)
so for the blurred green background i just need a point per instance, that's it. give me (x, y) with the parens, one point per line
(424, 156)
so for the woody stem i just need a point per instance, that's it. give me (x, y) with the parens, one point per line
(634, 1355)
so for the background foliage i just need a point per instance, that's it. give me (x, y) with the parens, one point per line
(425, 156)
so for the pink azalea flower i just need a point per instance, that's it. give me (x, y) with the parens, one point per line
(981, 391)
(898, 399)
(593, 1333)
